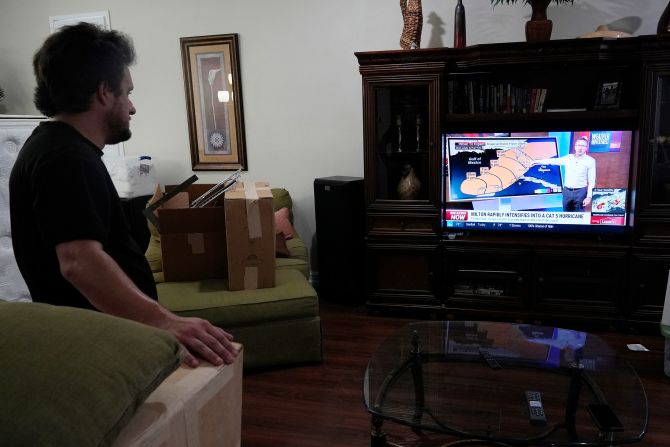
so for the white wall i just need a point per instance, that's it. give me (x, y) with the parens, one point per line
(300, 83)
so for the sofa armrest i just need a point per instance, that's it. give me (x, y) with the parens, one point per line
(297, 249)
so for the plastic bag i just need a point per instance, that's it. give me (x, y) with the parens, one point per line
(132, 176)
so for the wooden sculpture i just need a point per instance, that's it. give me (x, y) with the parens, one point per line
(412, 18)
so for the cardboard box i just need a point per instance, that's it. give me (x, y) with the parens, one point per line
(250, 232)
(193, 240)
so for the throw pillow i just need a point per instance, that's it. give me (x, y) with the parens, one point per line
(74, 376)
(282, 223)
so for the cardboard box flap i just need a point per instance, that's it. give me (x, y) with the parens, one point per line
(248, 190)
(180, 200)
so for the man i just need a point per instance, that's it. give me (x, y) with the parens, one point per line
(580, 176)
(71, 240)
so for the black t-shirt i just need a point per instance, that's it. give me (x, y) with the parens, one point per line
(60, 191)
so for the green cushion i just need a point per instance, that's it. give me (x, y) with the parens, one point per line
(298, 258)
(282, 199)
(74, 377)
(294, 264)
(292, 341)
(292, 297)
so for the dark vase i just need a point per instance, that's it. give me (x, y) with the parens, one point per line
(538, 28)
(459, 25)
(664, 22)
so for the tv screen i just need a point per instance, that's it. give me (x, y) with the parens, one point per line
(565, 181)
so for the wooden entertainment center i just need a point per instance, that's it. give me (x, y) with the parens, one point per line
(412, 98)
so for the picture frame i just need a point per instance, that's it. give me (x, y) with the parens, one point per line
(608, 95)
(100, 18)
(212, 83)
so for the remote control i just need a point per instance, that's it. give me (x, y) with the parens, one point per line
(489, 359)
(535, 408)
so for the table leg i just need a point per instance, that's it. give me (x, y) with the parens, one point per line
(417, 378)
(573, 401)
(377, 435)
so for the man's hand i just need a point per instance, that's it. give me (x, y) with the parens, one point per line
(202, 339)
(586, 202)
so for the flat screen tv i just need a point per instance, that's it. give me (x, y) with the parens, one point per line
(561, 181)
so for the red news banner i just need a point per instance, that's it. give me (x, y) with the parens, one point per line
(533, 217)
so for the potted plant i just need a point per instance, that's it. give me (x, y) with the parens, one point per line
(538, 28)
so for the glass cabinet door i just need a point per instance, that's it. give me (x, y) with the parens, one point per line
(402, 141)
(652, 207)
(660, 144)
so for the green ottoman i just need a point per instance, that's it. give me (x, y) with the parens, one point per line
(279, 325)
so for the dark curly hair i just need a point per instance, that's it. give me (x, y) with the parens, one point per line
(73, 62)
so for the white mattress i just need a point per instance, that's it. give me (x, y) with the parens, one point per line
(13, 133)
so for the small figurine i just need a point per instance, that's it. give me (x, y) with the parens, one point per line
(412, 17)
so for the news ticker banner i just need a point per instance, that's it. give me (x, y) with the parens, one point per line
(534, 217)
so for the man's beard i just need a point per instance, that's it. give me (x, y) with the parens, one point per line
(119, 135)
(117, 130)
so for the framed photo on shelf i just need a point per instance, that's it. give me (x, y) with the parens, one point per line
(213, 90)
(608, 95)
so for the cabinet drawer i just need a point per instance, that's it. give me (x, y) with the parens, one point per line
(580, 281)
(402, 224)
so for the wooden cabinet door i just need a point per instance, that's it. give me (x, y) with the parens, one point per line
(649, 277)
(580, 284)
(402, 275)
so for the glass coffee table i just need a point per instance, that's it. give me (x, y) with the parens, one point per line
(470, 380)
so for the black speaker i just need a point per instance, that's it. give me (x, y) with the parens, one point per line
(339, 205)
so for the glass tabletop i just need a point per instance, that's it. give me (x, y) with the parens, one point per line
(434, 376)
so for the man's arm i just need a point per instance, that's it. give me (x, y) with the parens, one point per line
(99, 278)
(549, 161)
(591, 179)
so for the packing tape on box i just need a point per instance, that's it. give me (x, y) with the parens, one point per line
(197, 243)
(253, 210)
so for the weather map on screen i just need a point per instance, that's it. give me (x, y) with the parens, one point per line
(502, 167)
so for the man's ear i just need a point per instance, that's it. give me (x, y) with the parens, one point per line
(104, 94)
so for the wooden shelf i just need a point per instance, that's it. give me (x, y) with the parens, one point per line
(587, 115)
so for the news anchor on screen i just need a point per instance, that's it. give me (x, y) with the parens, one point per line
(579, 176)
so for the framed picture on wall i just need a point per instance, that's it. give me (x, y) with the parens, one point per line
(608, 95)
(100, 18)
(213, 90)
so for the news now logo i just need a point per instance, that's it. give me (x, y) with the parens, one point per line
(457, 215)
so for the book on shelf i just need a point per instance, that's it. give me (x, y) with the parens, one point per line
(478, 96)
(541, 96)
